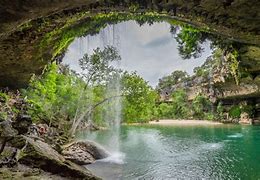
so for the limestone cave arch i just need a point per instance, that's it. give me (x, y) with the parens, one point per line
(33, 33)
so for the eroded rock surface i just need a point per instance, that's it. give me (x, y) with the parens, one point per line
(245, 119)
(39, 154)
(84, 152)
(26, 25)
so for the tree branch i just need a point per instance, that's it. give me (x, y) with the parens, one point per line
(89, 111)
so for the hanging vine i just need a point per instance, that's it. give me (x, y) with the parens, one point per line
(232, 58)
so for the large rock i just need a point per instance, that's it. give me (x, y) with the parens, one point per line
(7, 130)
(25, 26)
(245, 119)
(39, 154)
(22, 123)
(84, 152)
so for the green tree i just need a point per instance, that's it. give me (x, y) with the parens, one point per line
(97, 67)
(138, 98)
(165, 111)
(62, 96)
(54, 95)
(180, 106)
(202, 107)
(96, 71)
(172, 79)
(190, 40)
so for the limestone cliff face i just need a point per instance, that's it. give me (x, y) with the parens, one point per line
(24, 25)
(242, 90)
(226, 91)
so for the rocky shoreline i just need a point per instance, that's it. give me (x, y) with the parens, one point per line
(25, 155)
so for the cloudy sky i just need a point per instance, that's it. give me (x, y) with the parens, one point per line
(149, 50)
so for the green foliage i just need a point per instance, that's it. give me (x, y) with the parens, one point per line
(177, 109)
(209, 116)
(235, 111)
(97, 67)
(54, 95)
(190, 40)
(249, 109)
(172, 79)
(210, 64)
(3, 116)
(232, 58)
(180, 106)
(139, 98)
(201, 107)
(11, 105)
(134, 7)
(62, 95)
(165, 111)
(4, 97)
(220, 111)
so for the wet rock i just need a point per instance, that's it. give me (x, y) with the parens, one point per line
(39, 154)
(7, 130)
(84, 152)
(8, 158)
(245, 119)
(257, 79)
(25, 172)
(78, 156)
(22, 124)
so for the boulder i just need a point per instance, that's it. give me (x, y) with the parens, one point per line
(39, 154)
(7, 130)
(245, 119)
(84, 152)
(22, 123)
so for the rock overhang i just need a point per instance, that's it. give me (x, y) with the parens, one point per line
(26, 42)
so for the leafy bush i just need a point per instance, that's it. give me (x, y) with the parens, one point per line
(220, 110)
(249, 109)
(180, 106)
(235, 112)
(165, 111)
(209, 116)
(3, 97)
(139, 99)
(201, 105)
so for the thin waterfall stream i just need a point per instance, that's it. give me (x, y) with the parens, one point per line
(114, 121)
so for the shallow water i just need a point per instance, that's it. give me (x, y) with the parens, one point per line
(165, 152)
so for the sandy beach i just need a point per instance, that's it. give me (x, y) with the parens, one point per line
(184, 122)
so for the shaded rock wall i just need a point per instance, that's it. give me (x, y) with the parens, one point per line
(21, 52)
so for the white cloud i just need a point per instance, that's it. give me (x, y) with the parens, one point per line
(149, 50)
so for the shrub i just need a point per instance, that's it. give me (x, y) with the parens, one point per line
(235, 112)
(200, 106)
(249, 109)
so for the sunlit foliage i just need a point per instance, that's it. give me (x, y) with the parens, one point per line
(189, 42)
(139, 98)
(172, 79)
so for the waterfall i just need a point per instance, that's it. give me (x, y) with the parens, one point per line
(113, 117)
(113, 108)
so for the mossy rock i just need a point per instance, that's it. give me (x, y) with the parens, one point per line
(84, 152)
(41, 155)
(257, 79)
